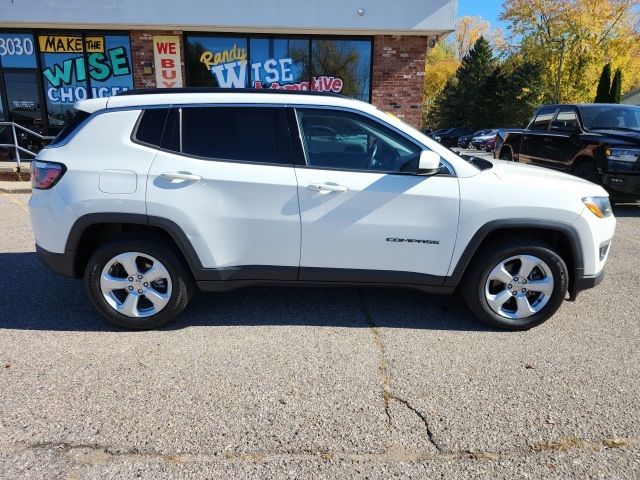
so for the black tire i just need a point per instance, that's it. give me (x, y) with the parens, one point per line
(505, 154)
(473, 284)
(588, 171)
(181, 281)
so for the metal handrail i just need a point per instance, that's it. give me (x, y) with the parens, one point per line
(16, 147)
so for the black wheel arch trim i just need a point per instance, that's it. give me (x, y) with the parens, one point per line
(490, 227)
(171, 228)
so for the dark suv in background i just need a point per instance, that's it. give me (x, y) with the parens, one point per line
(598, 142)
(450, 137)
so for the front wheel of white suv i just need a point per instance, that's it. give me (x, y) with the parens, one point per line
(516, 285)
(137, 283)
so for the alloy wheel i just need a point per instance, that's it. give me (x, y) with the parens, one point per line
(519, 287)
(135, 284)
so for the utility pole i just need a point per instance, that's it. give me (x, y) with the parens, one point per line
(562, 41)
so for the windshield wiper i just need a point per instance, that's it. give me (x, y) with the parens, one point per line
(626, 129)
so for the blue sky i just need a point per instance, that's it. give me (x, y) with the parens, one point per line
(487, 9)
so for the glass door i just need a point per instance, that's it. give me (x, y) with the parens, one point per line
(24, 106)
(23, 99)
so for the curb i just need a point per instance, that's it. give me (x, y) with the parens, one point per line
(15, 189)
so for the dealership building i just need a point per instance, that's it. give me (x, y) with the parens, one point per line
(55, 52)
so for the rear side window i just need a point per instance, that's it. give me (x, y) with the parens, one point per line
(231, 133)
(568, 116)
(542, 119)
(79, 117)
(151, 125)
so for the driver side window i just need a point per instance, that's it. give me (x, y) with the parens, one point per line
(348, 141)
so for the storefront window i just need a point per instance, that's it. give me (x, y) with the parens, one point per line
(216, 62)
(17, 50)
(77, 67)
(294, 63)
(279, 63)
(341, 66)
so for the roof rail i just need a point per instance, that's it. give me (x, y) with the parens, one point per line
(153, 91)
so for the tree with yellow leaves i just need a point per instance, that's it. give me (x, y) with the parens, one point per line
(440, 67)
(468, 30)
(443, 60)
(592, 33)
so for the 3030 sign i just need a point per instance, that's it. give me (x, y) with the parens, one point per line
(15, 46)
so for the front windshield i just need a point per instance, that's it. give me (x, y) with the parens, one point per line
(607, 117)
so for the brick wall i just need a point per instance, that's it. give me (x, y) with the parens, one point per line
(142, 52)
(398, 76)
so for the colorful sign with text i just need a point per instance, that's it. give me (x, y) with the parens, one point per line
(100, 64)
(229, 67)
(166, 54)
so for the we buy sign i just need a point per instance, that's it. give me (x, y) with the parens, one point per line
(166, 54)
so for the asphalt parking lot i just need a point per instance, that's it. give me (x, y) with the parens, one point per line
(315, 383)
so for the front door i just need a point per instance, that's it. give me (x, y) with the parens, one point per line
(366, 216)
(225, 180)
(534, 141)
(563, 144)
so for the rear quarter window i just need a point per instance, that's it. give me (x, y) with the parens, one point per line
(78, 117)
(151, 126)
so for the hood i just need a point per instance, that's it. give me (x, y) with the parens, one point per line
(530, 175)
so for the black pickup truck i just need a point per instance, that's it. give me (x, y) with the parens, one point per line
(598, 142)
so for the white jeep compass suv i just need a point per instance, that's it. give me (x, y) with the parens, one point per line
(148, 195)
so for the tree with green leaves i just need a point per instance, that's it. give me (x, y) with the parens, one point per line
(519, 91)
(616, 87)
(604, 85)
(463, 101)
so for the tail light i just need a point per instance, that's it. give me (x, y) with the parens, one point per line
(45, 175)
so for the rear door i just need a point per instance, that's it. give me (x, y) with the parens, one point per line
(224, 178)
(366, 216)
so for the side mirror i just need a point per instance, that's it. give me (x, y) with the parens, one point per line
(429, 163)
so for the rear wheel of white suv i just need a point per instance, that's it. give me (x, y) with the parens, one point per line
(516, 285)
(137, 283)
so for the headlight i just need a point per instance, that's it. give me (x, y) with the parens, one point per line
(623, 154)
(599, 206)
(437, 138)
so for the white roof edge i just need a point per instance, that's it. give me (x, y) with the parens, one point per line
(170, 98)
(92, 105)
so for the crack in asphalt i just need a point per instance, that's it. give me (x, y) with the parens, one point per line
(86, 454)
(385, 380)
(424, 419)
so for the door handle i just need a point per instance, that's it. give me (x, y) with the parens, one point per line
(326, 188)
(181, 176)
(547, 140)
